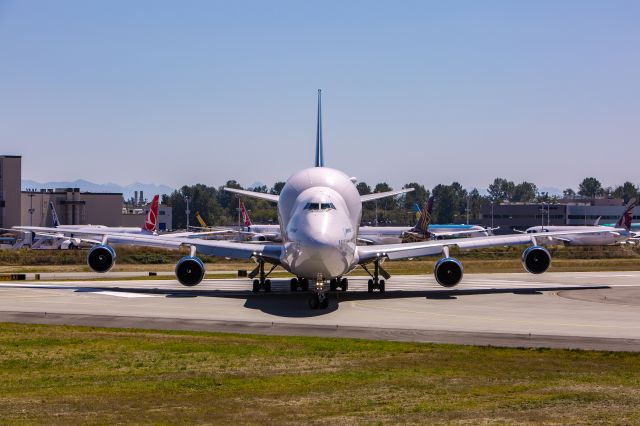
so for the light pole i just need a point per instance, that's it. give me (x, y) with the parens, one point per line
(187, 199)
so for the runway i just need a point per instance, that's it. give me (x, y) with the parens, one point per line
(569, 310)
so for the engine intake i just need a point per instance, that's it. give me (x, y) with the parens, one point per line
(536, 259)
(101, 258)
(190, 271)
(448, 271)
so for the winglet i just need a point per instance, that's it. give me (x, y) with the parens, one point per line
(319, 148)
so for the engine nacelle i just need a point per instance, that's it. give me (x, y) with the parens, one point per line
(536, 259)
(448, 271)
(189, 271)
(258, 237)
(101, 258)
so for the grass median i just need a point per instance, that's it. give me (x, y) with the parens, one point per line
(60, 374)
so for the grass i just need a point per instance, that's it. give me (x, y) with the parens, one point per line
(59, 374)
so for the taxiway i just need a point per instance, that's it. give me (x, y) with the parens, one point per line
(597, 310)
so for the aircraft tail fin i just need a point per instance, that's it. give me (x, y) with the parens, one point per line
(422, 225)
(200, 220)
(54, 215)
(627, 217)
(246, 220)
(319, 147)
(151, 221)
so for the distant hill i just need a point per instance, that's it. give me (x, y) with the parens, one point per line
(149, 189)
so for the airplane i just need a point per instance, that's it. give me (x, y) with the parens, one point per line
(319, 210)
(74, 237)
(608, 235)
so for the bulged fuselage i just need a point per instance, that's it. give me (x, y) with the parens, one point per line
(319, 211)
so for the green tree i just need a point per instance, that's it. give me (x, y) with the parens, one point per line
(363, 188)
(626, 191)
(590, 187)
(501, 190)
(524, 192)
(277, 188)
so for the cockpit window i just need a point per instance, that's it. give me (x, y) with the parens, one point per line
(319, 206)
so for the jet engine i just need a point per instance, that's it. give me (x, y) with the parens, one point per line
(536, 259)
(190, 271)
(448, 271)
(101, 258)
(258, 237)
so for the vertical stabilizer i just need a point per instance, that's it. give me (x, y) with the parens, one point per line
(319, 149)
(151, 221)
(627, 217)
(245, 216)
(424, 220)
(54, 215)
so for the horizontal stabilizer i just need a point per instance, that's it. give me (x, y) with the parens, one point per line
(377, 195)
(259, 195)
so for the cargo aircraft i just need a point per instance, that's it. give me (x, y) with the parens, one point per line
(319, 212)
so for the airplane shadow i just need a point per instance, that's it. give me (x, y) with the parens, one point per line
(286, 304)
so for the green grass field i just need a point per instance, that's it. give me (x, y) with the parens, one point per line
(72, 375)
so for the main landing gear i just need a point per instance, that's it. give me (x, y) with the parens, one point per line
(336, 283)
(302, 283)
(261, 283)
(375, 283)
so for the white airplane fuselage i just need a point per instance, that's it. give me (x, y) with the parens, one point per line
(319, 211)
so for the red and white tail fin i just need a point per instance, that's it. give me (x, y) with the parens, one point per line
(245, 215)
(627, 217)
(151, 221)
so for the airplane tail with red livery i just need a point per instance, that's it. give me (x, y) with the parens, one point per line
(627, 217)
(246, 220)
(151, 221)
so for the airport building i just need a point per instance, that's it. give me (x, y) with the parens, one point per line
(521, 216)
(10, 176)
(73, 207)
(135, 216)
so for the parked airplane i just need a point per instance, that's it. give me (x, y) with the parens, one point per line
(600, 235)
(320, 211)
(74, 235)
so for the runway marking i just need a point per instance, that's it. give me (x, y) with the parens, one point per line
(121, 294)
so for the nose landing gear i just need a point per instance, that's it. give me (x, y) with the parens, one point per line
(318, 299)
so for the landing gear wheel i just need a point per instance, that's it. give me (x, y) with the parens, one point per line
(381, 286)
(314, 301)
(333, 285)
(325, 303)
(294, 284)
(267, 286)
(344, 284)
(256, 286)
(304, 284)
(370, 286)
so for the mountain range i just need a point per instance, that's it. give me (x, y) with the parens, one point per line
(127, 191)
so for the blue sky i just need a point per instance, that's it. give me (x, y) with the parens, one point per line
(186, 92)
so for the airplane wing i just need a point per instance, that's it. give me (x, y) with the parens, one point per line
(431, 248)
(377, 195)
(260, 195)
(219, 248)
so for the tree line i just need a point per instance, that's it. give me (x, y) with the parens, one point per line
(454, 204)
